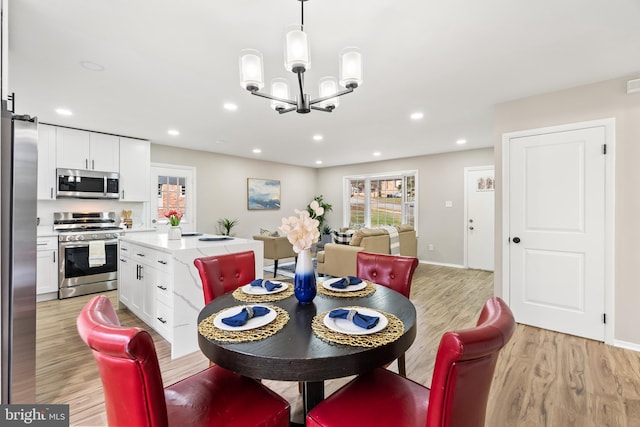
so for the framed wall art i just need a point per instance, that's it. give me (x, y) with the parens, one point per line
(263, 194)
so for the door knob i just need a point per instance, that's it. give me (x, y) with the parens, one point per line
(470, 228)
(516, 240)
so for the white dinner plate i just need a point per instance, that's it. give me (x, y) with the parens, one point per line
(350, 288)
(259, 290)
(254, 322)
(345, 326)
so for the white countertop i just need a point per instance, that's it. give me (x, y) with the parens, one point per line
(160, 241)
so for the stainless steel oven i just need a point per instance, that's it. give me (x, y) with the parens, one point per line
(88, 252)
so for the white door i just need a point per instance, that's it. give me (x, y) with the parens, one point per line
(557, 230)
(173, 187)
(479, 217)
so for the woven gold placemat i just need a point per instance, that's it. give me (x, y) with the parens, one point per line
(368, 290)
(392, 332)
(206, 328)
(241, 296)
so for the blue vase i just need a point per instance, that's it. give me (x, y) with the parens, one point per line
(304, 281)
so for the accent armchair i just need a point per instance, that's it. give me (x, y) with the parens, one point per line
(392, 271)
(460, 385)
(133, 390)
(276, 248)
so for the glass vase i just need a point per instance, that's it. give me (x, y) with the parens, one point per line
(304, 281)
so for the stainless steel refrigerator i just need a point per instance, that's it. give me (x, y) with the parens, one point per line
(18, 180)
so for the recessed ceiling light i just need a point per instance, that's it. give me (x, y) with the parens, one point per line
(91, 66)
(376, 153)
(318, 162)
(318, 137)
(230, 107)
(173, 132)
(257, 150)
(461, 141)
(417, 115)
(64, 112)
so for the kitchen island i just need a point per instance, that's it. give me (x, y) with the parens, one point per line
(158, 282)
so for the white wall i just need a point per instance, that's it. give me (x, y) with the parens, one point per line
(222, 188)
(441, 178)
(591, 102)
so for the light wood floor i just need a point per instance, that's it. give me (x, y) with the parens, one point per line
(543, 378)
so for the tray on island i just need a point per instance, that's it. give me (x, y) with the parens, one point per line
(215, 238)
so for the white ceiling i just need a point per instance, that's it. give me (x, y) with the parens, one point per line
(173, 64)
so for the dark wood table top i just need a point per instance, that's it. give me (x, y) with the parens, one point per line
(295, 353)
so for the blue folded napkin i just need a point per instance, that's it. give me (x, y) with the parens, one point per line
(244, 315)
(345, 281)
(269, 286)
(362, 320)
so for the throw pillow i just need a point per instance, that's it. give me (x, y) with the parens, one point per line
(269, 233)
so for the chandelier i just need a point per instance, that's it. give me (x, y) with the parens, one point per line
(297, 60)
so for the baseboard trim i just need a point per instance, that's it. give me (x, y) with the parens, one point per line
(443, 264)
(626, 345)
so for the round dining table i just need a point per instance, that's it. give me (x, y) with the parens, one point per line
(296, 353)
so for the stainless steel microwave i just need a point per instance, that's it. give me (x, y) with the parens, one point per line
(84, 184)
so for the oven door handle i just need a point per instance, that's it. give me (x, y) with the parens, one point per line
(83, 243)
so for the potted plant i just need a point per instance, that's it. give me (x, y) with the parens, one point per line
(326, 207)
(225, 225)
(326, 234)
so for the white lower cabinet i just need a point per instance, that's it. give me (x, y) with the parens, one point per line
(145, 286)
(47, 268)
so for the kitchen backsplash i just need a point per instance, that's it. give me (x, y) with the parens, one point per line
(46, 209)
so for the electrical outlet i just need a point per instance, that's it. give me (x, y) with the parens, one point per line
(430, 246)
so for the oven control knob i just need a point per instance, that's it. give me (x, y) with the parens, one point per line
(94, 236)
(80, 237)
(69, 238)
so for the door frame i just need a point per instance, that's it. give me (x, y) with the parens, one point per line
(190, 223)
(609, 247)
(466, 209)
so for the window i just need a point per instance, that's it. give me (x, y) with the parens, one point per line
(173, 187)
(381, 199)
(171, 194)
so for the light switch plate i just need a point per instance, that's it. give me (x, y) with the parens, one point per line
(448, 204)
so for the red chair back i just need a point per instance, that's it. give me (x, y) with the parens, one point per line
(128, 364)
(392, 271)
(464, 368)
(225, 273)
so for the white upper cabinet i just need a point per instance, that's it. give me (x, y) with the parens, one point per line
(135, 163)
(77, 149)
(46, 162)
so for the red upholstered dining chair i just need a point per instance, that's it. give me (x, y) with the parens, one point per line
(133, 390)
(460, 385)
(392, 271)
(225, 273)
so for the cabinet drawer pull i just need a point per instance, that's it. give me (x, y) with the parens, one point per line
(124, 249)
(123, 260)
(162, 262)
(161, 320)
(139, 254)
(164, 288)
(41, 243)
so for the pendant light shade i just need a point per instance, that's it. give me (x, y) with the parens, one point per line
(328, 86)
(251, 70)
(279, 89)
(350, 67)
(296, 50)
(297, 59)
